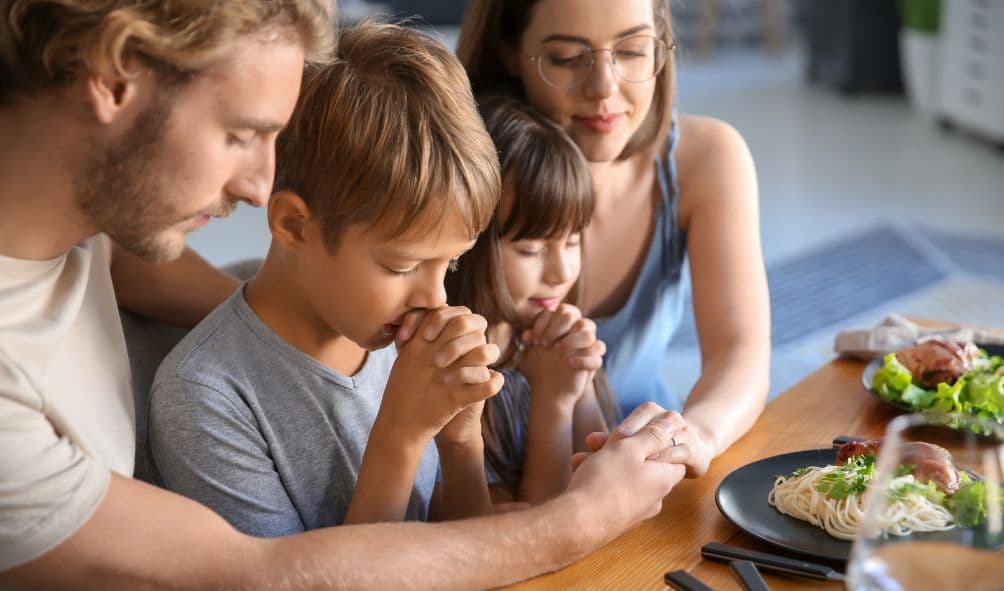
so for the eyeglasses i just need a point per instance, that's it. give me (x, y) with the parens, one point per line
(564, 64)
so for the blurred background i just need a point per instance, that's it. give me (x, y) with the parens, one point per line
(877, 128)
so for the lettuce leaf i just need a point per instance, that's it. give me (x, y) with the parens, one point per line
(978, 392)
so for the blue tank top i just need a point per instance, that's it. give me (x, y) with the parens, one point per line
(638, 334)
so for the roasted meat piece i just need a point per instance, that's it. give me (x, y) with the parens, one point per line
(931, 463)
(936, 361)
(858, 448)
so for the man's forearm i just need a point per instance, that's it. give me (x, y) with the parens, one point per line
(179, 292)
(142, 537)
(474, 553)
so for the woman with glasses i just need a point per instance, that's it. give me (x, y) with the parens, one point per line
(668, 189)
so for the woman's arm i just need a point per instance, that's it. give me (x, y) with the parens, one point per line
(720, 215)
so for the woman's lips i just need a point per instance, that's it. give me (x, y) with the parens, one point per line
(546, 303)
(598, 123)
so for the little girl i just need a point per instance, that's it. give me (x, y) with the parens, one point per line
(519, 274)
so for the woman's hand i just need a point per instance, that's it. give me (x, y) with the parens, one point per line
(692, 446)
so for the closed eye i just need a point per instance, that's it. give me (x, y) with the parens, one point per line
(402, 271)
(242, 139)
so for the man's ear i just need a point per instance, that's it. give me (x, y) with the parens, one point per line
(288, 217)
(110, 93)
(509, 55)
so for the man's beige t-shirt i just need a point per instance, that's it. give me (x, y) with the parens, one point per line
(66, 408)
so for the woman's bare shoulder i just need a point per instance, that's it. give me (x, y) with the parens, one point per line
(705, 140)
(713, 162)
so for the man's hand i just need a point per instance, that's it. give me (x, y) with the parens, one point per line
(440, 373)
(629, 474)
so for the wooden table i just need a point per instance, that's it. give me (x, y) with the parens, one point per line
(828, 403)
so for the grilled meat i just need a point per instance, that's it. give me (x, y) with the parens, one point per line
(931, 463)
(936, 361)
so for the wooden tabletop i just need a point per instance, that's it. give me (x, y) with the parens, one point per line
(830, 402)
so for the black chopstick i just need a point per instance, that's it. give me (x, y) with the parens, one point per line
(748, 576)
(770, 562)
(681, 580)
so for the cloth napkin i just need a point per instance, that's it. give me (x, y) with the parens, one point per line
(896, 332)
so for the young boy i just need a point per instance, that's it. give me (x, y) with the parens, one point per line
(288, 408)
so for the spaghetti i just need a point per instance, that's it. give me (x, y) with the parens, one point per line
(831, 498)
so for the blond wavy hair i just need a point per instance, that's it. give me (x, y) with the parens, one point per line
(47, 44)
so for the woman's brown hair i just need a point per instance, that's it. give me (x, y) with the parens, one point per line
(491, 25)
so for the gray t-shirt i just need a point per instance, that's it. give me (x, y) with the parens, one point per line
(262, 433)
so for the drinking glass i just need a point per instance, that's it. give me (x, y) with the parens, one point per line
(966, 556)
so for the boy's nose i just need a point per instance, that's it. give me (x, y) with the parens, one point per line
(430, 296)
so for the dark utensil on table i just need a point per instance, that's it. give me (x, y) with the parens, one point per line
(748, 575)
(681, 580)
(770, 562)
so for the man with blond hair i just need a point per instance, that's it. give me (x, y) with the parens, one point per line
(126, 125)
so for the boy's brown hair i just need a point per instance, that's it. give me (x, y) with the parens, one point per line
(48, 44)
(388, 131)
(490, 25)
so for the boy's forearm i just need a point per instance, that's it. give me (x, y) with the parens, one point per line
(547, 459)
(386, 477)
(464, 486)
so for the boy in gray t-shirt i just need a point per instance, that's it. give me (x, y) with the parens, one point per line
(287, 408)
(264, 434)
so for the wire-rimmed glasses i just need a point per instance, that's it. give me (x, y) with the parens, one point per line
(564, 64)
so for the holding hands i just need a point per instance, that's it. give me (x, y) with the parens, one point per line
(688, 444)
(640, 452)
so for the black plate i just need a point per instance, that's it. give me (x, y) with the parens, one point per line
(742, 499)
(869, 372)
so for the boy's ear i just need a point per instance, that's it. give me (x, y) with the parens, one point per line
(510, 59)
(112, 93)
(288, 216)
